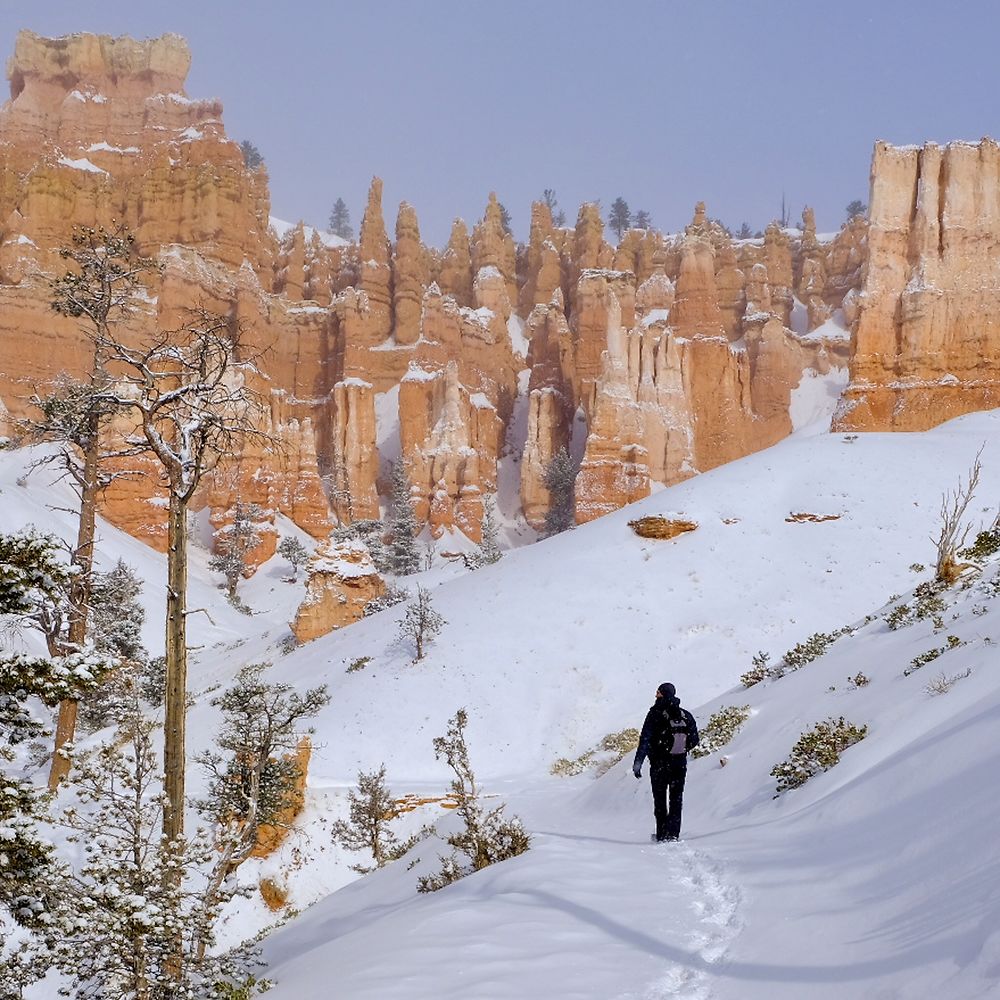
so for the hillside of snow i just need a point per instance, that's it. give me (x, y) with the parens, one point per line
(876, 879)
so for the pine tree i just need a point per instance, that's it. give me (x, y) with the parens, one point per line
(505, 218)
(558, 215)
(235, 542)
(104, 274)
(251, 155)
(619, 217)
(403, 556)
(116, 620)
(340, 220)
(295, 552)
(488, 550)
(33, 583)
(368, 828)
(421, 623)
(642, 220)
(855, 208)
(560, 480)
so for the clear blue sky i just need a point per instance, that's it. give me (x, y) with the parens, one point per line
(662, 102)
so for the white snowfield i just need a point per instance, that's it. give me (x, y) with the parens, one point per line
(877, 879)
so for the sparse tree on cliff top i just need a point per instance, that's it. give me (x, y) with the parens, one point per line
(340, 220)
(558, 215)
(642, 220)
(619, 217)
(252, 156)
(295, 552)
(421, 623)
(855, 208)
(368, 827)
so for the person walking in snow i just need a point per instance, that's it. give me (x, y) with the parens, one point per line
(668, 733)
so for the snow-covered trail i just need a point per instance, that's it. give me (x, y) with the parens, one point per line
(592, 910)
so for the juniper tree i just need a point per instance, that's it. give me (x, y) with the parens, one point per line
(619, 217)
(235, 542)
(369, 824)
(99, 287)
(485, 837)
(560, 480)
(340, 220)
(32, 577)
(295, 552)
(402, 553)
(421, 623)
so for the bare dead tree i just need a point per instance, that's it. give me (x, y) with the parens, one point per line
(188, 396)
(99, 288)
(953, 532)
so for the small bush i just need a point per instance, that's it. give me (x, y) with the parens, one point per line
(917, 567)
(898, 617)
(942, 684)
(813, 648)
(600, 758)
(359, 664)
(817, 750)
(932, 654)
(288, 644)
(721, 727)
(987, 543)
(758, 672)
(859, 680)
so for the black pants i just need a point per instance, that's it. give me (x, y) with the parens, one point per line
(667, 778)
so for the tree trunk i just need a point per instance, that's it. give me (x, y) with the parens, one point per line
(79, 597)
(176, 680)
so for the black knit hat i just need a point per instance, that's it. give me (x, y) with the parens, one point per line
(667, 690)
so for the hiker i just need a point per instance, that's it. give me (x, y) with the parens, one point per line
(668, 733)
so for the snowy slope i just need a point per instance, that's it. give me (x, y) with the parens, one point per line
(856, 885)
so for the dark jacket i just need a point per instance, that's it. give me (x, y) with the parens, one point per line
(657, 736)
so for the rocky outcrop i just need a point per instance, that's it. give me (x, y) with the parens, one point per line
(928, 328)
(340, 580)
(410, 276)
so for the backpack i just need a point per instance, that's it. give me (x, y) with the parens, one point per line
(673, 736)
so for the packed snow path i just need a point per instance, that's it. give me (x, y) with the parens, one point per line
(593, 910)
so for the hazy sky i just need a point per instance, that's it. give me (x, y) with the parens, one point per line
(663, 102)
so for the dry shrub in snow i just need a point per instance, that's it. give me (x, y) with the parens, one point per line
(721, 727)
(816, 750)
(600, 758)
(485, 837)
(942, 684)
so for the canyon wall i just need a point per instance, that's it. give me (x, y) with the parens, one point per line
(649, 361)
(927, 337)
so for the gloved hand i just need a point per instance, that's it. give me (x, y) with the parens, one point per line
(637, 770)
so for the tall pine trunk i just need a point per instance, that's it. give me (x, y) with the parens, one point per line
(176, 668)
(79, 597)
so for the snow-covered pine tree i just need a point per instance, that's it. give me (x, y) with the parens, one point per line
(235, 542)
(291, 549)
(340, 220)
(33, 578)
(371, 532)
(560, 481)
(421, 623)
(403, 555)
(134, 915)
(116, 620)
(368, 828)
